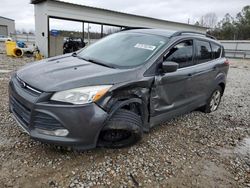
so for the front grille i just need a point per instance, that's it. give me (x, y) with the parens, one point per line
(45, 121)
(21, 111)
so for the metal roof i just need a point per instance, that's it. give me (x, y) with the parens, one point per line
(7, 18)
(74, 4)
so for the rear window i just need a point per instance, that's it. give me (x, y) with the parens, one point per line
(216, 50)
(203, 51)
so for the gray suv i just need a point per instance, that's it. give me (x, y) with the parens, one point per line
(112, 91)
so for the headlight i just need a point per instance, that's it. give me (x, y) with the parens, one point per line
(81, 95)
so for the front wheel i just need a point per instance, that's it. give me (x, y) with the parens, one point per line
(214, 101)
(123, 129)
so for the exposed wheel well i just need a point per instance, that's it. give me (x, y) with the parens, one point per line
(134, 107)
(133, 104)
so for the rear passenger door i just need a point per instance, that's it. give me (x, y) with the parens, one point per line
(204, 70)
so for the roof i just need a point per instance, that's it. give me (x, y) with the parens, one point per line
(7, 18)
(59, 1)
(172, 33)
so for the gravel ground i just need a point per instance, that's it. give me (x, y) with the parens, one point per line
(193, 150)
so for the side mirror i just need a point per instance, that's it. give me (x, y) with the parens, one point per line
(169, 66)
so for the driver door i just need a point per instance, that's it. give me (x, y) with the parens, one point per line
(172, 92)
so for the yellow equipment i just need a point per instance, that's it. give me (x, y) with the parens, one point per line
(12, 49)
(37, 54)
(17, 52)
(10, 46)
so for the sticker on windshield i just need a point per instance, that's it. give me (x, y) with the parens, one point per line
(145, 46)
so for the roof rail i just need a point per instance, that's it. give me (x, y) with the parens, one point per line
(178, 33)
(131, 28)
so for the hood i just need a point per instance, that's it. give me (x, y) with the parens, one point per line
(67, 72)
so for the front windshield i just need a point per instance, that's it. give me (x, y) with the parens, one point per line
(124, 49)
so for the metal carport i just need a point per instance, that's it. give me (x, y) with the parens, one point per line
(45, 9)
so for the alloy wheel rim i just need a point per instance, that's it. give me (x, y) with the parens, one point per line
(215, 101)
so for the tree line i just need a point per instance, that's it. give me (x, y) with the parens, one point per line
(229, 28)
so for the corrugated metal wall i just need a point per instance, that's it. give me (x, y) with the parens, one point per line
(237, 48)
(3, 30)
(10, 24)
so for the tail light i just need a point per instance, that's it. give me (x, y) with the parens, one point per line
(226, 62)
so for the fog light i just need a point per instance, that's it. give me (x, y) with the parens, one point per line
(61, 132)
(58, 132)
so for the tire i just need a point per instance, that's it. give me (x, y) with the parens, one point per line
(123, 129)
(214, 101)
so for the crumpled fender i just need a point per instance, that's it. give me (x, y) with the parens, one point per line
(127, 93)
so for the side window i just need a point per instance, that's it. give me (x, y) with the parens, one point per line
(182, 54)
(216, 50)
(203, 51)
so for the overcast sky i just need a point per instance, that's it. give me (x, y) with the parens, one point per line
(174, 10)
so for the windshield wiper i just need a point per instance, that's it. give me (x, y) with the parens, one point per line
(100, 63)
(96, 62)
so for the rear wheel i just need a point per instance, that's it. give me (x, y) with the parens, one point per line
(123, 129)
(214, 101)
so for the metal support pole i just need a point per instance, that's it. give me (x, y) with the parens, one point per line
(88, 35)
(83, 31)
(101, 30)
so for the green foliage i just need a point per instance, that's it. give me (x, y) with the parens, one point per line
(230, 28)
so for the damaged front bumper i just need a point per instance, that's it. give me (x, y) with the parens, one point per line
(66, 125)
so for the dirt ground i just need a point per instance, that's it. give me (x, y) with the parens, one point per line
(193, 150)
